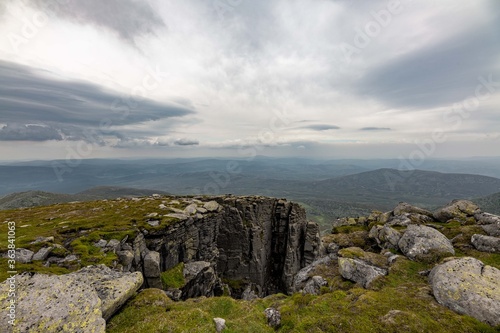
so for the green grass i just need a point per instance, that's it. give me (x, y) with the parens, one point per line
(173, 278)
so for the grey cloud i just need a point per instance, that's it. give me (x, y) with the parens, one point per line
(78, 110)
(375, 129)
(320, 128)
(437, 75)
(128, 18)
(186, 142)
(20, 132)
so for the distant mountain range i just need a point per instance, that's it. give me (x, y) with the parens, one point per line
(329, 189)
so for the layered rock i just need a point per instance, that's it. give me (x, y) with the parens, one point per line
(467, 286)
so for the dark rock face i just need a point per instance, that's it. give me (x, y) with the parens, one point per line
(247, 240)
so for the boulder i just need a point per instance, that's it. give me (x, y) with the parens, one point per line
(113, 288)
(489, 222)
(24, 256)
(152, 269)
(404, 207)
(486, 243)
(400, 220)
(211, 206)
(220, 324)
(113, 245)
(126, 258)
(385, 236)
(200, 280)
(302, 277)
(461, 210)
(360, 266)
(467, 286)
(42, 254)
(51, 303)
(424, 243)
(314, 285)
(191, 209)
(273, 317)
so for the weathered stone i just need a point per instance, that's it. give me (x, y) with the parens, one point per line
(467, 286)
(457, 209)
(492, 229)
(50, 304)
(174, 294)
(42, 254)
(424, 243)
(211, 206)
(486, 218)
(250, 293)
(192, 269)
(312, 242)
(113, 288)
(359, 271)
(126, 258)
(114, 245)
(486, 243)
(220, 324)
(152, 269)
(385, 236)
(191, 209)
(154, 223)
(314, 285)
(400, 220)
(201, 280)
(332, 248)
(101, 243)
(303, 276)
(24, 256)
(404, 207)
(43, 240)
(273, 317)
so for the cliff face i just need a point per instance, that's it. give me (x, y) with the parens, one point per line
(255, 242)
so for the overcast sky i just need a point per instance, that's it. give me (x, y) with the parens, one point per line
(181, 78)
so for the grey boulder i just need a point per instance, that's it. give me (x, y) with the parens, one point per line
(424, 243)
(486, 243)
(467, 286)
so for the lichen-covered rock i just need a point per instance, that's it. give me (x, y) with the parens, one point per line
(42, 254)
(50, 304)
(385, 236)
(486, 243)
(360, 266)
(467, 286)
(113, 288)
(314, 285)
(424, 243)
(220, 324)
(489, 222)
(24, 256)
(273, 317)
(461, 210)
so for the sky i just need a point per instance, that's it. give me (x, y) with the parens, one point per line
(188, 78)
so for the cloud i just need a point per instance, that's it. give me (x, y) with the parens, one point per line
(321, 128)
(20, 132)
(186, 142)
(75, 110)
(128, 18)
(438, 74)
(375, 129)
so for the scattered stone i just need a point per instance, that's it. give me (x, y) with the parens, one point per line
(404, 207)
(359, 271)
(201, 210)
(154, 223)
(385, 236)
(486, 243)
(114, 245)
(42, 254)
(162, 206)
(178, 216)
(460, 210)
(191, 209)
(424, 244)
(151, 215)
(220, 324)
(467, 286)
(211, 206)
(101, 243)
(126, 258)
(43, 240)
(24, 256)
(332, 248)
(303, 275)
(314, 285)
(273, 317)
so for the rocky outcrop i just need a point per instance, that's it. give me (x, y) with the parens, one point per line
(486, 243)
(78, 302)
(200, 280)
(460, 210)
(424, 243)
(489, 222)
(250, 240)
(303, 276)
(469, 287)
(360, 266)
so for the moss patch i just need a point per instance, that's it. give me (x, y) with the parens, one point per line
(173, 278)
